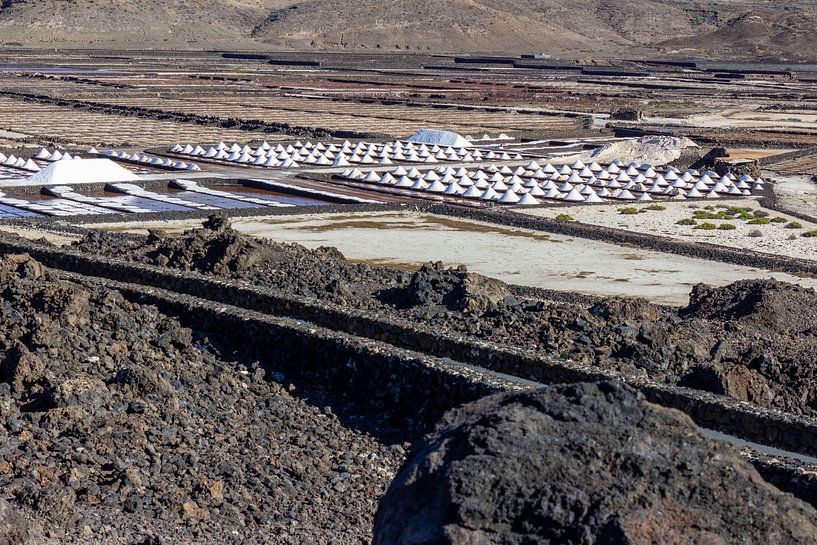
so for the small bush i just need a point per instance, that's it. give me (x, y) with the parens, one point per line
(656, 208)
(706, 226)
(727, 227)
(738, 209)
(756, 233)
(810, 234)
(565, 217)
(711, 215)
(761, 214)
(794, 225)
(686, 221)
(759, 221)
(778, 219)
(792, 237)
(628, 211)
(709, 207)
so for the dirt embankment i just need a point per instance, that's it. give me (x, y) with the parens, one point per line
(752, 349)
(118, 425)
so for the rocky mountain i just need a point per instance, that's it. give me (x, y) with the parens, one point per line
(749, 29)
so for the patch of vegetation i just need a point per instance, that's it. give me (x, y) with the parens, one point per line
(759, 221)
(686, 221)
(727, 227)
(778, 219)
(810, 234)
(656, 208)
(565, 217)
(756, 233)
(706, 226)
(629, 211)
(794, 225)
(761, 214)
(722, 215)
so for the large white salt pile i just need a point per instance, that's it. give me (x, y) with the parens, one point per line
(440, 138)
(84, 171)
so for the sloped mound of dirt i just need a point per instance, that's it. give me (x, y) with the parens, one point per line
(585, 463)
(119, 425)
(455, 289)
(764, 306)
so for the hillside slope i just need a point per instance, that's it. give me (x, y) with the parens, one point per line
(744, 28)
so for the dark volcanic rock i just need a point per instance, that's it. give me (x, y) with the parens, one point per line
(119, 425)
(766, 306)
(13, 526)
(455, 289)
(582, 464)
(759, 334)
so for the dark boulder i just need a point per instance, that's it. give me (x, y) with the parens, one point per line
(581, 464)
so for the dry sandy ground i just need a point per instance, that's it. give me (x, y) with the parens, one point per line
(514, 255)
(797, 193)
(34, 234)
(776, 237)
(748, 118)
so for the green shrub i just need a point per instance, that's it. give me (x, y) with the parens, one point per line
(727, 227)
(686, 221)
(761, 214)
(722, 215)
(656, 208)
(565, 217)
(709, 207)
(628, 211)
(759, 221)
(810, 234)
(738, 209)
(778, 219)
(794, 225)
(756, 233)
(706, 226)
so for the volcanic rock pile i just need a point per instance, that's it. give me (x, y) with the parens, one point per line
(753, 340)
(119, 425)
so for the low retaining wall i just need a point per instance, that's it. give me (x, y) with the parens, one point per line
(749, 422)
(413, 389)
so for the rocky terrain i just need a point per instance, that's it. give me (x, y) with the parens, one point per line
(120, 426)
(749, 29)
(753, 341)
(584, 463)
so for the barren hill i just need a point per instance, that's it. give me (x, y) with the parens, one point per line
(750, 29)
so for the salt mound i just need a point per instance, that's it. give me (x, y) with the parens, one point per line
(83, 171)
(441, 138)
(582, 463)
